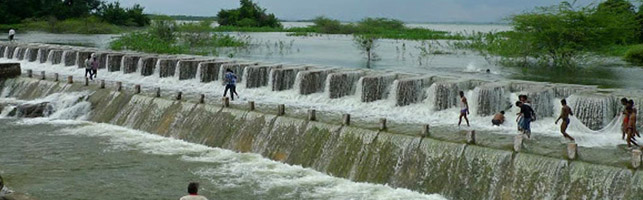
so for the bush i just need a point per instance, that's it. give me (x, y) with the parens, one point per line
(635, 55)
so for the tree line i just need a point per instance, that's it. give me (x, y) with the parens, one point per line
(17, 11)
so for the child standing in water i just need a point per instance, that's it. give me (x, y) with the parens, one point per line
(230, 80)
(464, 109)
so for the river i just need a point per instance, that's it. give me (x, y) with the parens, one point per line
(392, 55)
(68, 159)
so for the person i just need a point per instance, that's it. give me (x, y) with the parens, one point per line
(630, 128)
(630, 103)
(522, 98)
(525, 114)
(12, 33)
(94, 65)
(88, 67)
(464, 109)
(565, 112)
(193, 192)
(624, 102)
(498, 119)
(230, 80)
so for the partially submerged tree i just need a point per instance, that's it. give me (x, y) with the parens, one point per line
(366, 44)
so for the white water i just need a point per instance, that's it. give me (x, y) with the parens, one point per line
(421, 113)
(239, 169)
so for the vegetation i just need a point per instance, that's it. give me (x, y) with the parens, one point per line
(168, 37)
(366, 44)
(184, 17)
(248, 15)
(634, 55)
(562, 35)
(70, 16)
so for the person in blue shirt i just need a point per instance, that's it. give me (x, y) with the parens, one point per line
(230, 80)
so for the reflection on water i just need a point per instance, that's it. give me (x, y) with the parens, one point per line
(403, 56)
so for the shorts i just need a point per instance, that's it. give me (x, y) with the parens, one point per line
(567, 121)
(10, 37)
(496, 122)
(464, 111)
(526, 124)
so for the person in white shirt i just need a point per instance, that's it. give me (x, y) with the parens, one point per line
(193, 190)
(12, 33)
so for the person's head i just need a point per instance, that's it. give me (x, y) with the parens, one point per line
(461, 94)
(518, 103)
(563, 102)
(228, 70)
(502, 112)
(488, 71)
(522, 97)
(624, 101)
(193, 188)
(630, 103)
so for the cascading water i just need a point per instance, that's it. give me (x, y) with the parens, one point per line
(595, 111)
(312, 81)
(489, 99)
(376, 87)
(342, 84)
(408, 91)
(284, 79)
(443, 95)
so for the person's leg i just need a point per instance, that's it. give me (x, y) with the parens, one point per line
(466, 118)
(232, 91)
(460, 119)
(87, 72)
(527, 126)
(225, 91)
(563, 129)
(95, 72)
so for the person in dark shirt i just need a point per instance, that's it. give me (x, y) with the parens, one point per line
(526, 113)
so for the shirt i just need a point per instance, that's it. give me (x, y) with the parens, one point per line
(12, 32)
(526, 111)
(193, 197)
(230, 78)
(95, 64)
(88, 64)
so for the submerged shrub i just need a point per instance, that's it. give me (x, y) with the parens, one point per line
(635, 55)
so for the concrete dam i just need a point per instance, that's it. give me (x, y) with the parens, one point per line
(459, 164)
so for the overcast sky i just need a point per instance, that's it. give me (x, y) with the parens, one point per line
(352, 10)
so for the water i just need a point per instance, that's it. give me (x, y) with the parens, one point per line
(393, 55)
(60, 158)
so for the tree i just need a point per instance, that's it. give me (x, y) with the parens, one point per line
(621, 19)
(367, 45)
(249, 15)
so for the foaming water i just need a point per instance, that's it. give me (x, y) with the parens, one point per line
(229, 171)
(420, 113)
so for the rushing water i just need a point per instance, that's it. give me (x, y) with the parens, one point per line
(64, 159)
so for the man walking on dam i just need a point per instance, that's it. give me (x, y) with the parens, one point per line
(565, 112)
(464, 109)
(230, 80)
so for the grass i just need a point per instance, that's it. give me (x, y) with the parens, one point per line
(89, 25)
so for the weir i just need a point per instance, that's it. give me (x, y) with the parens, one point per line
(433, 93)
(432, 165)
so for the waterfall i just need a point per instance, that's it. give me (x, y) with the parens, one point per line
(139, 66)
(284, 79)
(39, 56)
(542, 101)
(121, 67)
(50, 57)
(408, 91)
(157, 67)
(70, 58)
(443, 95)
(376, 87)
(15, 53)
(198, 75)
(258, 76)
(595, 111)
(63, 58)
(342, 83)
(489, 99)
(27, 54)
(313, 81)
(3, 51)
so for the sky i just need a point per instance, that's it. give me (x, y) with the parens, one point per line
(479, 11)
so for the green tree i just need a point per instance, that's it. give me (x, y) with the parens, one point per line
(620, 19)
(366, 44)
(249, 15)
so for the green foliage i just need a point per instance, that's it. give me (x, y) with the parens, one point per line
(366, 44)
(14, 11)
(559, 35)
(248, 15)
(88, 25)
(635, 55)
(115, 14)
(166, 36)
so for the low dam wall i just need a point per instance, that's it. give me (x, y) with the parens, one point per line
(595, 107)
(431, 164)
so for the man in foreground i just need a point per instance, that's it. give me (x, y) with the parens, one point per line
(565, 112)
(193, 190)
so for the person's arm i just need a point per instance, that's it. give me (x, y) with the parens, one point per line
(466, 103)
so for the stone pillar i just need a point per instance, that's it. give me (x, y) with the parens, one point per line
(86, 81)
(281, 110)
(425, 130)
(346, 119)
(251, 104)
(56, 77)
(312, 115)
(518, 142)
(119, 86)
(572, 150)
(42, 75)
(179, 95)
(636, 158)
(383, 124)
(158, 92)
(471, 137)
(70, 79)
(202, 99)
(137, 89)
(226, 102)
(102, 84)
(30, 73)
